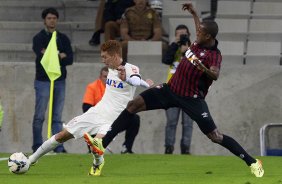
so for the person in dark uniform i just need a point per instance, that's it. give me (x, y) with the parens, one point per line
(187, 90)
(141, 23)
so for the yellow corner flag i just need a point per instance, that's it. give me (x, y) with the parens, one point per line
(50, 59)
(51, 64)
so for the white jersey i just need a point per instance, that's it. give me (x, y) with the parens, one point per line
(99, 118)
(117, 94)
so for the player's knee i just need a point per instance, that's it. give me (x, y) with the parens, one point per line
(215, 136)
(135, 105)
(130, 105)
(63, 136)
(59, 137)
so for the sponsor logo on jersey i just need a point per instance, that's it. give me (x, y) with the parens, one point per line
(113, 83)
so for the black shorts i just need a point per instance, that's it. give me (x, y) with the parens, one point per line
(161, 97)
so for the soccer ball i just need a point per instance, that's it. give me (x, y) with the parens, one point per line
(18, 163)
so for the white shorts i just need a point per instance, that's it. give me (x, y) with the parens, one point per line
(86, 123)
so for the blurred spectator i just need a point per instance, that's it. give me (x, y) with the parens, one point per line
(41, 40)
(173, 57)
(140, 22)
(108, 19)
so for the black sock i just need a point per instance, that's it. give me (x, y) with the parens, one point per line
(119, 125)
(131, 132)
(235, 148)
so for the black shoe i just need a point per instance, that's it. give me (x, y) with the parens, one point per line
(185, 150)
(95, 40)
(126, 151)
(169, 149)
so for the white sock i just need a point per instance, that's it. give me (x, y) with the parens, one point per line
(98, 159)
(47, 146)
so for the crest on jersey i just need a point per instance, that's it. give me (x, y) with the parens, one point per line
(149, 16)
(202, 53)
(191, 56)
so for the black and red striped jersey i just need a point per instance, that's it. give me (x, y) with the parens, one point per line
(188, 80)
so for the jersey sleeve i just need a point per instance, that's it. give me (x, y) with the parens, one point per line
(132, 70)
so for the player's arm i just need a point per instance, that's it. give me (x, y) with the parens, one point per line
(134, 77)
(212, 72)
(189, 7)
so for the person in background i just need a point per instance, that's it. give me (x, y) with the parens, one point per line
(108, 19)
(175, 53)
(139, 23)
(42, 82)
(94, 93)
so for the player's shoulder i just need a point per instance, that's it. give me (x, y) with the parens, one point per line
(131, 67)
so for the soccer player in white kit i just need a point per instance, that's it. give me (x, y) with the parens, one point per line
(120, 87)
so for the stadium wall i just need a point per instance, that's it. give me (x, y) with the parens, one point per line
(244, 98)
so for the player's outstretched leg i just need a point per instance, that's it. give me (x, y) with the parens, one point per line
(46, 147)
(235, 148)
(49, 145)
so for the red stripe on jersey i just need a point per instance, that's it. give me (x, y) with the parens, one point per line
(188, 80)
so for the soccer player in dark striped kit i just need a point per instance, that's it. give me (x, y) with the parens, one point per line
(187, 90)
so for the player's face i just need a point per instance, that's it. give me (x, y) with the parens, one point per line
(50, 21)
(110, 61)
(202, 35)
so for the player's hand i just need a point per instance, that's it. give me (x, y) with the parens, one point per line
(200, 65)
(195, 61)
(150, 82)
(189, 7)
(121, 73)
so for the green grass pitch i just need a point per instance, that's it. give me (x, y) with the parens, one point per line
(144, 169)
